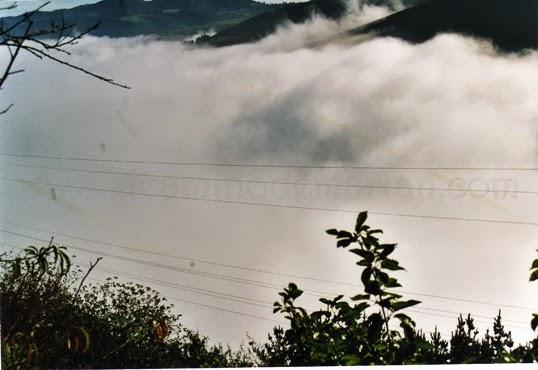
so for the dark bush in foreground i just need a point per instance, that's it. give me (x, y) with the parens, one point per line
(51, 318)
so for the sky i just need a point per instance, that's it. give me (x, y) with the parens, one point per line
(451, 102)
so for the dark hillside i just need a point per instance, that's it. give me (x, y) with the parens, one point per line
(510, 25)
(262, 25)
(168, 18)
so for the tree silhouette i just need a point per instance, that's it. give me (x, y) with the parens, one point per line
(52, 318)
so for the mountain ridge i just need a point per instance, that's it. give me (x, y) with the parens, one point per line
(262, 25)
(510, 26)
(165, 18)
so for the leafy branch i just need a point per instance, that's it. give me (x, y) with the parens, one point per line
(534, 277)
(377, 265)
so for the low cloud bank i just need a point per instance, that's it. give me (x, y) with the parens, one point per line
(450, 101)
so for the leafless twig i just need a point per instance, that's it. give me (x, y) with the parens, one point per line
(38, 43)
(92, 266)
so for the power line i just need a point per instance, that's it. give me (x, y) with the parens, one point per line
(237, 312)
(244, 314)
(226, 310)
(195, 290)
(526, 308)
(475, 315)
(229, 278)
(456, 317)
(207, 306)
(267, 182)
(187, 288)
(245, 299)
(183, 287)
(181, 257)
(254, 165)
(165, 283)
(409, 310)
(119, 246)
(270, 205)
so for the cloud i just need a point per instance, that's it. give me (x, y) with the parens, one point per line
(290, 98)
(435, 102)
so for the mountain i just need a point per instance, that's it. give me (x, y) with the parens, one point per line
(262, 25)
(510, 25)
(166, 18)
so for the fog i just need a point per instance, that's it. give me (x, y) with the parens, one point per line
(290, 99)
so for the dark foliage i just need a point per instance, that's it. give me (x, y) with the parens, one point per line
(51, 318)
(48, 322)
(357, 331)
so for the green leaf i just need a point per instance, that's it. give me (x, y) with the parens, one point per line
(368, 256)
(383, 277)
(360, 297)
(343, 243)
(361, 306)
(393, 283)
(342, 306)
(392, 265)
(344, 234)
(409, 330)
(375, 327)
(332, 232)
(403, 317)
(391, 294)
(296, 293)
(366, 275)
(385, 302)
(351, 360)
(360, 221)
(534, 275)
(534, 322)
(534, 264)
(320, 314)
(397, 306)
(387, 249)
(372, 240)
(372, 287)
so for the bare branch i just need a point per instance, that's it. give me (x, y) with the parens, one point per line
(92, 266)
(9, 7)
(14, 56)
(26, 17)
(6, 109)
(16, 71)
(34, 42)
(60, 61)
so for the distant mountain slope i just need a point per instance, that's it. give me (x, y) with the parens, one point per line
(262, 25)
(512, 25)
(173, 18)
(258, 27)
